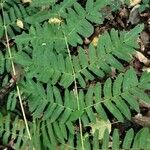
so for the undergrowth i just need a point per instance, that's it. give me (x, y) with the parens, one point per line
(58, 92)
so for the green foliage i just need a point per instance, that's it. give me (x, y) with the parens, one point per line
(68, 12)
(145, 5)
(13, 11)
(65, 92)
(98, 61)
(119, 97)
(14, 131)
(46, 135)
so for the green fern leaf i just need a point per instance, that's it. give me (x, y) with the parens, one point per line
(116, 142)
(128, 139)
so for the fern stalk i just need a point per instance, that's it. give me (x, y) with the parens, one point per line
(14, 72)
(75, 91)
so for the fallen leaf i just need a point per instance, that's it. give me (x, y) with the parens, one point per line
(87, 41)
(145, 38)
(124, 13)
(142, 58)
(142, 120)
(144, 104)
(18, 72)
(134, 16)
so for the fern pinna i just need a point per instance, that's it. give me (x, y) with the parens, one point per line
(67, 96)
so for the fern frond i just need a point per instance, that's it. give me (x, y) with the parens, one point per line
(59, 11)
(131, 140)
(13, 131)
(56, 11)
(51, 105)
(97, 62)
(7, 4)
(139, 140)
(40, 3)
(12, 14)
(64, 12)
(119, 97)
(2, 63)
(66, 94)
(53, 135)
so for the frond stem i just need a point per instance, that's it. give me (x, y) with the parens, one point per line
(14, 72)
(76, 92)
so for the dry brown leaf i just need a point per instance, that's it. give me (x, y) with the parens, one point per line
(19, 72)
(123, 13)
(134, 16)
(142, 120)
(144, 104)
(134, 2)
(142, 58)
(87, 41)
(145, 38)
